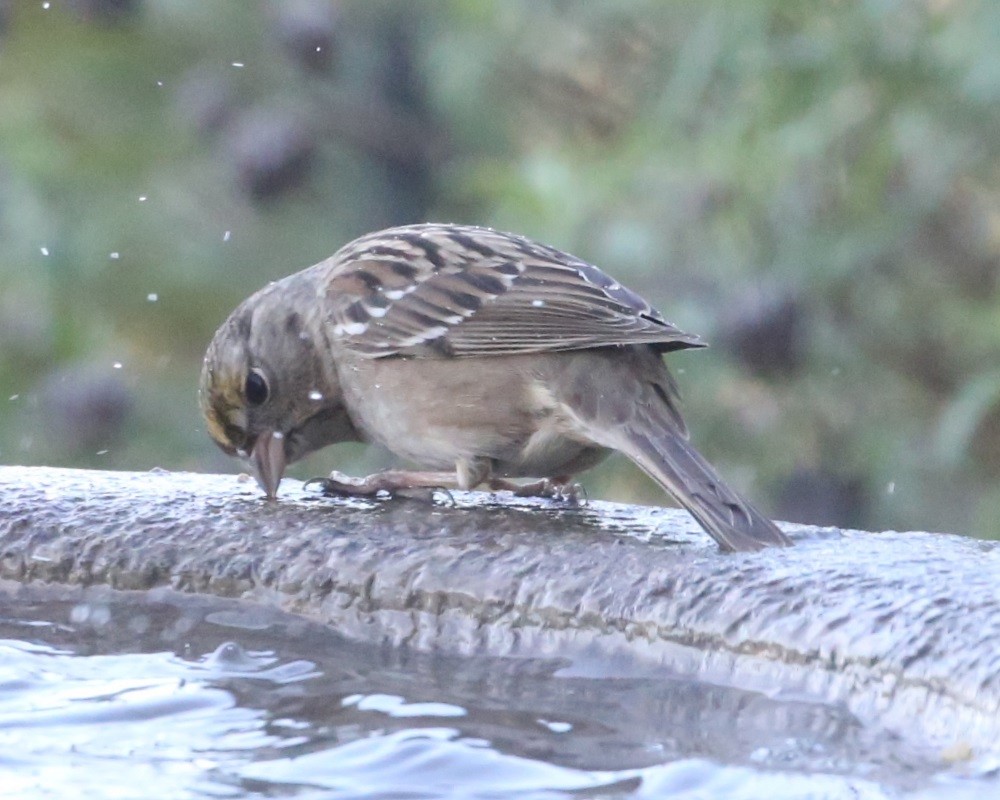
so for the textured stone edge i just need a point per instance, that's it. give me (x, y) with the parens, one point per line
(899, 627)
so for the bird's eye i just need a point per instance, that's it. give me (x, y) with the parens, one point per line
(256, 389)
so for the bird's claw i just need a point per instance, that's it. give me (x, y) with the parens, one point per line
(449, 498)
(425, 494)
(563, 492)
(337, 483)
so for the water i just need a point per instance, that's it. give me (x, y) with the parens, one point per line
(112, 695)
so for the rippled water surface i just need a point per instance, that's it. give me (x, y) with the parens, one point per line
(107, 695)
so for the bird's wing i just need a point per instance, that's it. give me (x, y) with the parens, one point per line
(448, 290)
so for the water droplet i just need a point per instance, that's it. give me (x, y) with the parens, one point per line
(46, 5)
(538, 303)
(239, 64)
(102, 452)
(152, 297)
(159, 83)
(115, 256)
(278, 435)
(314, 395)
(14, 397)
(44, 249)
(142, 198)
(890, 487)
(117, 365)
(226, 236)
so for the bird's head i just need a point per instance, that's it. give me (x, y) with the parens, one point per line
(269, 392)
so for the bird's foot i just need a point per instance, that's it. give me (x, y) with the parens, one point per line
(561, 490)
(390, 481)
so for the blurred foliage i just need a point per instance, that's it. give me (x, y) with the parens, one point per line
(812, 186)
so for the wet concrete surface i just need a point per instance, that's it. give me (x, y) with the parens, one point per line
(896, 629)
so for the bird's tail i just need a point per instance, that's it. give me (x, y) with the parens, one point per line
(641, 420)
(666, 455)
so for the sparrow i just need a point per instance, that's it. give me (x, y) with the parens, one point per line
(478, 355)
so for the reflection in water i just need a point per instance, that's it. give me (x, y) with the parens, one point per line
(110, 696)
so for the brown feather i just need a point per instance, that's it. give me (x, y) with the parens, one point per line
(448, 290)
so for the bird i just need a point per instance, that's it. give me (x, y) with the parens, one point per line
(480, 356)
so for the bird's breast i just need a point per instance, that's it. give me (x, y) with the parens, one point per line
(436, 412)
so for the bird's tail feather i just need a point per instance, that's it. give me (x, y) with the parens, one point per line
(666, 456)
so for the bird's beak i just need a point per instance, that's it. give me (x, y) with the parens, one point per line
(268, 461)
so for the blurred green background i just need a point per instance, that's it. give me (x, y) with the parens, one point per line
(813, 187)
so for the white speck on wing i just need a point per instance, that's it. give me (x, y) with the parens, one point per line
(430, 333)
(395, 294)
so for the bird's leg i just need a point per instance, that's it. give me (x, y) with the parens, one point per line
(559, 488)
(390, 480)
(467, 475)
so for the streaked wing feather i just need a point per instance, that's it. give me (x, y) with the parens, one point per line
(434, 290)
